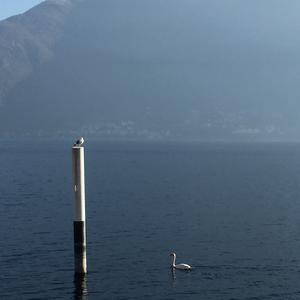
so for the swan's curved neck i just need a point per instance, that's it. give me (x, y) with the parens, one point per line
(174, 259)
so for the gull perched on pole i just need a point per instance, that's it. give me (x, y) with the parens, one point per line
(79, 142)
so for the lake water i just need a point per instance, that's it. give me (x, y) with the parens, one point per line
(232, 211)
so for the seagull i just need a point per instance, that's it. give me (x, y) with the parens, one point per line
(79, 142)
(179, 266)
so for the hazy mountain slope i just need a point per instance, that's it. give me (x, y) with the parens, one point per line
(160, 69)
(27, 41)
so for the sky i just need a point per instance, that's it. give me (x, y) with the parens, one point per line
(10, 8)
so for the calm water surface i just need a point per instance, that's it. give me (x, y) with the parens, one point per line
(231, 211)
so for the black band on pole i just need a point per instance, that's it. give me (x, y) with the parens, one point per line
(80, 247)
(79, 232)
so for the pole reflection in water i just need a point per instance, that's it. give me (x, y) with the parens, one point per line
(80, 287)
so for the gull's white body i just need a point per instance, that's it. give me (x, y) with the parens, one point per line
(179, 266)
(79, 142)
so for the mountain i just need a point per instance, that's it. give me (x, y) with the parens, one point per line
(140, 69)
(27, 41)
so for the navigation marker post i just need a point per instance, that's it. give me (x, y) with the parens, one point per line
(79, 210)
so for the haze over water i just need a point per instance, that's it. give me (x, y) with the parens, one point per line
(232, 211)
(166, 70)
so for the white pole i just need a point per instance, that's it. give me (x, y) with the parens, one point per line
(79, 210)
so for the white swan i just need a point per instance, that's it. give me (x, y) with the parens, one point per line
(179, 266)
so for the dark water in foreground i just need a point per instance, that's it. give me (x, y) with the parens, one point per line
(231, 211)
